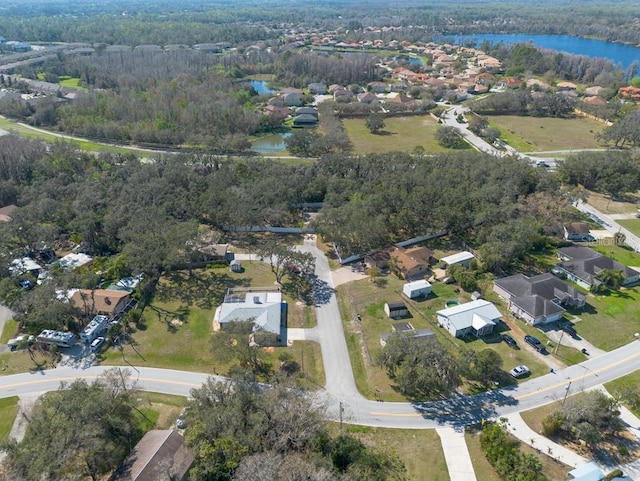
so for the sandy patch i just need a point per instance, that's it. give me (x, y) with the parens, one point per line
(176, 322)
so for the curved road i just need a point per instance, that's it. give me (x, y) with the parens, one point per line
(341, 388)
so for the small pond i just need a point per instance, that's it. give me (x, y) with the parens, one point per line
(270, 143)
(260, 86)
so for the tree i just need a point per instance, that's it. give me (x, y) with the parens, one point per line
(285, 260)
(301, 142)
(612, 278)
(375, 123)
(484, 366)
(236, 342)
(450, 137)
(419, 372)
(79, 430)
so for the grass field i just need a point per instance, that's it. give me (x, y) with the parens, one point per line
(9, 331)
(609, 321)
(529, 134)
(192, 301)
(420, 450)
(400, 134)
(622, 253)
(629, 381)
(161, 409)
(606, 205)
(8, 413)
(633, 225)
(363, 338)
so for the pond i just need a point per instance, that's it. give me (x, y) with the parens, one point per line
(260, 86)
(409, 60)
(618, 53)
(270, 143)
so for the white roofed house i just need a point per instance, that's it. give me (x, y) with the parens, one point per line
(263, 306)
(476, 317)
(463, 258)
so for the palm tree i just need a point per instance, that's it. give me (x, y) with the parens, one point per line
(612, 278)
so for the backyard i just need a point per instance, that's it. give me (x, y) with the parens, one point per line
(529, 134)
(402, 134)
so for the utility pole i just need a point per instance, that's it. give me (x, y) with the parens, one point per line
(555, 351)
(341, 411)
(566, 392)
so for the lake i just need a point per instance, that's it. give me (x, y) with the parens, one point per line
(270, 143)
(618, 53)
(260, 86)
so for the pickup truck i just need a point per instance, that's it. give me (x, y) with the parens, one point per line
(535, 343)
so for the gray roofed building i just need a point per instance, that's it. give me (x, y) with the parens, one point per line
(582, 265)
(160, 454)
(539, 299)
(263, 306)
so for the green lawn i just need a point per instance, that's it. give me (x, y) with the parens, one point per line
(629, 381)
(528, 134)
(72, 82)
(160, 409)
(10, 330)
(610, 320)
(161, 341)
(633, 225)
(363, 338)
(622, 253)
(400, 134)
(420, 450)
(8, 412)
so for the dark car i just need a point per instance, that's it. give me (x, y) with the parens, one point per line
(569, 329)
(535, 342)
(509, 340)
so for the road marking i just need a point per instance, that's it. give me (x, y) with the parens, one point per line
(518, 398)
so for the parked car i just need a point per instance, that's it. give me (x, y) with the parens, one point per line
(569, 329)
(509, 340)
(534, 342)
(520, 371)
(97, 343)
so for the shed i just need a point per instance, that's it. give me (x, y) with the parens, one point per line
(235, 266)
(396, 309)
(462, 258)
(475, 295)
(420, 288)
(587, 472)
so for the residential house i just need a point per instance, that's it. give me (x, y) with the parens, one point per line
(540, 299)
(630, 92)
(100, 301)
(594, 100)
(367, 97)
(407, 329)
(396, 310)
(462, 258)
(595, 90)
(6, 211)
(475, 317)
(566, 86)
(277, 111)
(75, 260)
(577, 231)
(411, 263)
(415, 289)
(292, 97)
(538, 84)
(317, 88)
(377, 87)
(263, 306)
(343, 95)
(307, 110)
(305, 120)
(24, 265)
(582, 265)
(160, 454)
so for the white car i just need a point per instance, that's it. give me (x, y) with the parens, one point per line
(97, 343)
(519, 371)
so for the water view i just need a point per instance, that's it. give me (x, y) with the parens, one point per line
(260, 86)
(270, 143)
(618, 53)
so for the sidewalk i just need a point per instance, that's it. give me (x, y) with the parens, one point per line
(524, 433)
(456, 454)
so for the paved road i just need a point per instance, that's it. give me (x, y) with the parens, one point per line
(610, 224)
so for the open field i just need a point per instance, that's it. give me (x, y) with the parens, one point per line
(420, 450)
(8, 413)
(528, 134)
(176, 331)
(609, 321)
(363, 338)
(607, 205)
(633, 225)
(400, 134)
